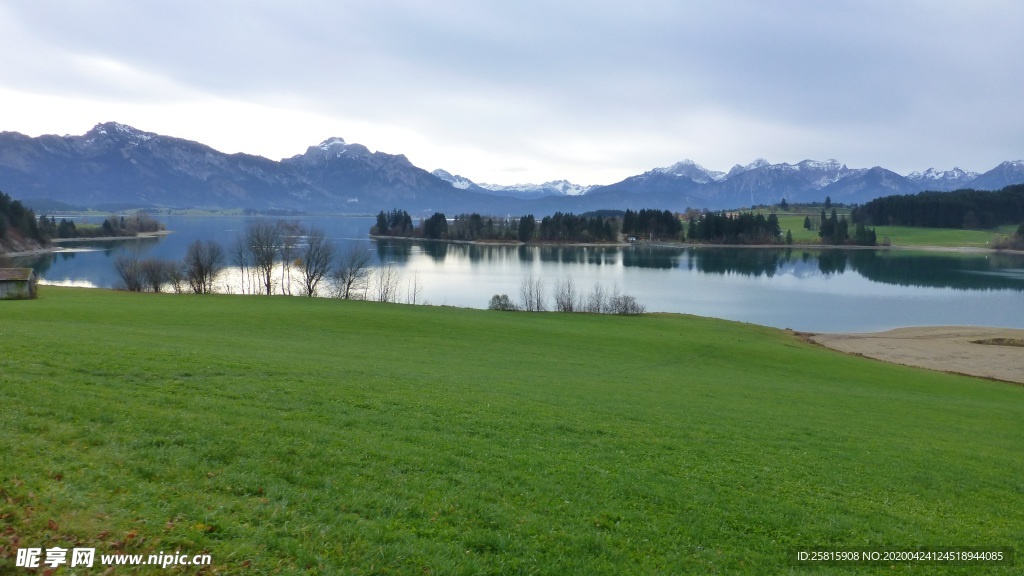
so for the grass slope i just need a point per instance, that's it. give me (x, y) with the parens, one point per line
(286, 435)
(901, 235)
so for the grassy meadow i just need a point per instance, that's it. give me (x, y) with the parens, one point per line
(291, 436)
(901, 235)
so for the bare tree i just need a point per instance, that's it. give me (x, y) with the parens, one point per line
(623, 304)
(566, 296)
(290, 231)
(204, 261)
(597, 301)
(531, 293)
(130, 272)
(176, 277)
(386, 282)
(263, 240)
(316, 260)
(414, 289)
(240, 257)
(155, 273)
(352, 274)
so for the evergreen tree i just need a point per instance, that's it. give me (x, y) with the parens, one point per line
(527, 228)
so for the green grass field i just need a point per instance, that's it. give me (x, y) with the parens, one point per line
(902, 235)
(287, 435)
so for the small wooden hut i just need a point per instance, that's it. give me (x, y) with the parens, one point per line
(18, 283)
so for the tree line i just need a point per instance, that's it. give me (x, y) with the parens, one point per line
(743, 228)
(113, 226)
(958, 209)
(567, 297)
(559, 227)
(836, 230)
(273, 257)
(652, 224)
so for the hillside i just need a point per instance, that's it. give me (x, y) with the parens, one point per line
(288, 435)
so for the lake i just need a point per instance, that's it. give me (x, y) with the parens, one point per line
(803, 289)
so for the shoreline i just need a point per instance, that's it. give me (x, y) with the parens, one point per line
(983, 352)
(685, 245)
(55, 247)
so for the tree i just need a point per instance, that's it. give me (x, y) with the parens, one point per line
(784, 205)
(414, 289)
(155, 273)
(130, 272)
(290, 234)
(204, 262)
(352, 272)
(531, 294)
(828, 202)
(807, 223)
(263, 240)
(789, 236)
(501, 302)
(386, 281)
(436, 226)
(566, 296)
(316, 260)
(527, 228)
(240, 257)
(597, 301)
(623, 304)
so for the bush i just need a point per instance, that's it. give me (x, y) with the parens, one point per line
(625, 305)
(501, 302)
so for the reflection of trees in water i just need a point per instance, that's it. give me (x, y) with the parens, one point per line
(393, 251)
(746, 262)
(832, 261)
(598, 255)
(884, 266)
(436, 251)
(645, 257)
(940, 270)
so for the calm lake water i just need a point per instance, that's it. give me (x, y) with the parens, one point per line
(811, 290)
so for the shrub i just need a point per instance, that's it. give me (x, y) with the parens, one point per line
(501, 302)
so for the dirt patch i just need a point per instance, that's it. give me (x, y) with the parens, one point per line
(956, 349)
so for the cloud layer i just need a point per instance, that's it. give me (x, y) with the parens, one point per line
(530, 91)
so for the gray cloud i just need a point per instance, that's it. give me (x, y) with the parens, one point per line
(587, 90)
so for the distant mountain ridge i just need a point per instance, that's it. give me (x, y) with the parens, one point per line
(117, 165)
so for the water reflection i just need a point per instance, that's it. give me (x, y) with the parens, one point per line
(792, 286)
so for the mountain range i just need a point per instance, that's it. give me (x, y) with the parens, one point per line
(114, 166)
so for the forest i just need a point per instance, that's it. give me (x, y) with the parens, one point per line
(559, 227)
(970, 209)
(17, 221)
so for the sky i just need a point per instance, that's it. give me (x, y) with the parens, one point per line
(531, 91)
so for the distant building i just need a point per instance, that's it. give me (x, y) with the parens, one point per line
(18, 283)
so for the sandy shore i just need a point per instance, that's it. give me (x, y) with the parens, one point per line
(945, 348)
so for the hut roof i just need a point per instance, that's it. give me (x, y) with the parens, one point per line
(15, 274)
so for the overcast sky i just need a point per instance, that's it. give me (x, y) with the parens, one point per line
(529, 91)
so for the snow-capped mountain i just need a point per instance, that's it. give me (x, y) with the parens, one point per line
(942, 180)
(114, 165)
(693, 171)
(1005, 174)
(553, 188)
(460, 182)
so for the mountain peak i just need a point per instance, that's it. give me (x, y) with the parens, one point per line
(690, 169)
(118, 130)
(332, 142)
